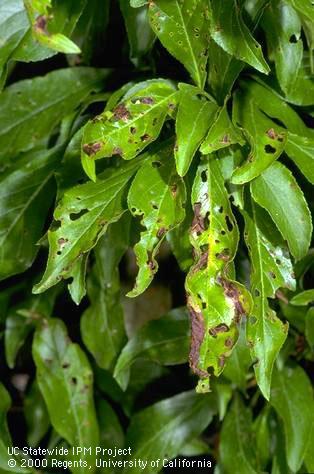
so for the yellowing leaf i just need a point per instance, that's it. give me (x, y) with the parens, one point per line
(216, 303)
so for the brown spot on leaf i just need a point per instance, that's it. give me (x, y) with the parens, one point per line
(271, 133)
(121, 113)
(145, 137)
(218, 329)
(229, 342)
(161, 232)
(197, 336)
(91, 148)
(232, 292)
(198, 223)
(225, 139)
(221, 361)
(201, 263)
(41, 24)
(146, 100)
(117, 151)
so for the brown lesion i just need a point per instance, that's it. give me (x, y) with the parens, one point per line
(197, 336)
(121, 113)
(232, 292)
(199, 223)
(41, 24)
(220, 328)
(91, 148)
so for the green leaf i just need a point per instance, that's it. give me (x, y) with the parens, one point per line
(216, 303)
(90, 30)
(278, 192)
(102, 324)
(21, 320)
(300, 150)
(223, 71)
(221, 134)
(84, 213)
(195, 115)
(77, 287)
(65, 380)
(263, 437)
(303, 298)
(14, 37)
(161, 430)
(239, 362)
(267, 140)
(165, 341)
(282, 26)
(231, 33)
(140, 34)
(309, 455)
(182, 27)
(36, 415)
(39, 104)
(158, 195)
(138, 3)
(292, 398)
(271, 269)
(309, 327)
(5, 439)
(50, 20)
(132, 125)
(274, 106)
(237, 447)
(111, 432)
(27, 192)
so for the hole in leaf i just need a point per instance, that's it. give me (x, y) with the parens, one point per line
(256, 293)
(270, 149)
(221, 210)
(293, 39)
(74, 216)
(204, 176)
(229, 223)
(156, 164)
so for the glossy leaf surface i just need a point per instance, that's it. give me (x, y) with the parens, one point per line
(182, 26)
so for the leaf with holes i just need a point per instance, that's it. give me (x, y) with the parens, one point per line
(267, 140)
(216, 303)
(271, 269)
(132, 125)
(221, 134)
(195, 115)
(65, 380)
(278, 192)
(282, 26)
(231, 33)
(182, 26)
(158, 195)
(102, 324)
(84, 214)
